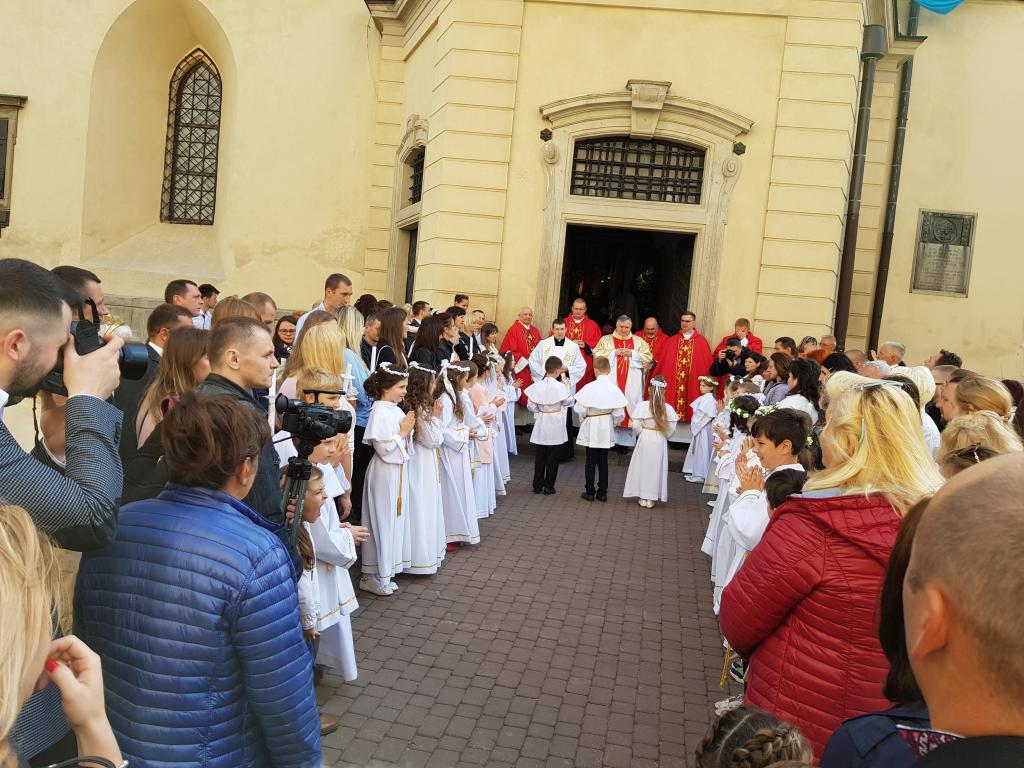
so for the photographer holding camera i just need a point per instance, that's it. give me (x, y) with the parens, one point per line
(72, 494)
(729, 361)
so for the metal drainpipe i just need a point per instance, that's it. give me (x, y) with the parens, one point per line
(873, 49)
(896, 168)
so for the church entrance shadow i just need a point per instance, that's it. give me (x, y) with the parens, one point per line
(637, 272)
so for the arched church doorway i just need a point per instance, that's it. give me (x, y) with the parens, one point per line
(637, 272)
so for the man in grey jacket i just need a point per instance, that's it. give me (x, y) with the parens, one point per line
(72, 488)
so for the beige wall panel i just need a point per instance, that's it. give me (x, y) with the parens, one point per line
(483, 64)
(805, 199)
(812, 143)
(816, 114)
(496, 120)
(820, 172)
(487, 202)
(481, 37)
(796, 282)
(469, 253)
(792, 226)
(467, 227)
(820, 59)
(469, 146)
(476, 92)
(502, 12)
(438, 277)
(841, 32)
(836, 88)
(796, 253)
(474, 173)
(804, 309)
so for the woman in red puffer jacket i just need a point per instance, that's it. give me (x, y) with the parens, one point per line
(802, 608)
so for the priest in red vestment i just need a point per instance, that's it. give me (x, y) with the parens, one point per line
(586, 333)
(685, 358)
(520, 339)
(742, 332)
(655, 338)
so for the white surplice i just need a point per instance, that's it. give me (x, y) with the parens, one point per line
(335, 551)
(639, 358)
(548, 399)
(600, 405)
(647, 477)
(567, 352)
(385, 491)
(698, 457)
(424, 534)
(460, 520)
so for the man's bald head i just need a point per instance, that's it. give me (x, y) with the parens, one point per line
(963, 588)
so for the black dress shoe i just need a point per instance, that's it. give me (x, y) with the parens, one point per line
(602, 497)
(587, 496)
(549, 491)
(537, 490)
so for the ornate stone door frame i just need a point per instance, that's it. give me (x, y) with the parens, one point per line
(643, 110)
(403, 216)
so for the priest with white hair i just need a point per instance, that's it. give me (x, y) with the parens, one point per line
(629, 356)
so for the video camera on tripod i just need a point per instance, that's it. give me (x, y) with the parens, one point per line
(310, 424)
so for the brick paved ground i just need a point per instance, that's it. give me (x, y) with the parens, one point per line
(576, 634)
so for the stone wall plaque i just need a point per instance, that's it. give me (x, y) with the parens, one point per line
(942, 258)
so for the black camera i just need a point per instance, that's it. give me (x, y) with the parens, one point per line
(311, 422)
(730, 355)
(133, 358)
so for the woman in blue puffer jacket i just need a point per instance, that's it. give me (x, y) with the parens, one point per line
(194, 611)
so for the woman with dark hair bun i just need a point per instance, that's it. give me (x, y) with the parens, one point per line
(194, 605)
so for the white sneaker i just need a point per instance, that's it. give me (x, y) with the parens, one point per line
(711, 503)
(641, 503)
(391, 587)
(692, 479)
(374, 585)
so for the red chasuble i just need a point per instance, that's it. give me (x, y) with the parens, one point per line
(589, 333)
(622, 369)
(657, 345)
(682, 363)
(520, 341)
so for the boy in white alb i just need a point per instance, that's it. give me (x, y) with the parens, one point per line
(600, 405)
(705, 409)
(779, 434)
(547, 400)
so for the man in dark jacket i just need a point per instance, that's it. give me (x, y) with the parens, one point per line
(964, 626)
(241, 360)
(729, 361)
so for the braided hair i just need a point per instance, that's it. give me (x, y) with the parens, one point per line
(747, 737)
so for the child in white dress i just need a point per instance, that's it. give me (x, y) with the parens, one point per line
(458, 499)
(424, 541)
(653, 421)
(513, 389)
(705, 409)
(386, 490)
(308, 586)
(482, 445)
(494, 383)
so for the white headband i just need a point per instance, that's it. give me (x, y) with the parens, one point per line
(659, 384)
(416, 366)
(448, 387)
(386, 367)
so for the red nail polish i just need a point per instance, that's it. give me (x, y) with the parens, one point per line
(51, 665)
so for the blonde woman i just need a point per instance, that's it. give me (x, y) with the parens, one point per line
(925, 383)
(976, 393)
(802, 609)
(351, 322)
(30, 585)
(973, 438)
(653, 421)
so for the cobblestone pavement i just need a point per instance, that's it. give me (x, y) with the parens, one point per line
(576, 634)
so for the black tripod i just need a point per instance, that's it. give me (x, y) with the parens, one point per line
(296, 480)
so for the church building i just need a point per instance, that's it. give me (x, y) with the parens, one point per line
(650, 155)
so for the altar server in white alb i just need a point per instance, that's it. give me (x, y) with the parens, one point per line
(653, 420)
(600, 405)
(458, 498)
(386, 491)
(424, 534)
(547, 399)
(629, 356)
(575, 364)
(705, 409)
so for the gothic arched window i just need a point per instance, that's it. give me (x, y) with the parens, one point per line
(193, 131)
(638, 169)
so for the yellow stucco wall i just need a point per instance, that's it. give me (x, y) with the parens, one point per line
(317, 102)
(294, 167)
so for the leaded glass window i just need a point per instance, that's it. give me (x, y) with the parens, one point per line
(193, 134)
(638, 169)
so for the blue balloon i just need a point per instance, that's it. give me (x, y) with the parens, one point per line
(940, 6)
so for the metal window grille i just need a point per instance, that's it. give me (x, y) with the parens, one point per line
(416, 178)
(193, 132)
(638, 169)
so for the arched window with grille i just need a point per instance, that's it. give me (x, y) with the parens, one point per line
(193, 134)
(638, 169)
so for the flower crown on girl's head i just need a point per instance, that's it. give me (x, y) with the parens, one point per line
(708, 381)
(658, 384)
(734, 408)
